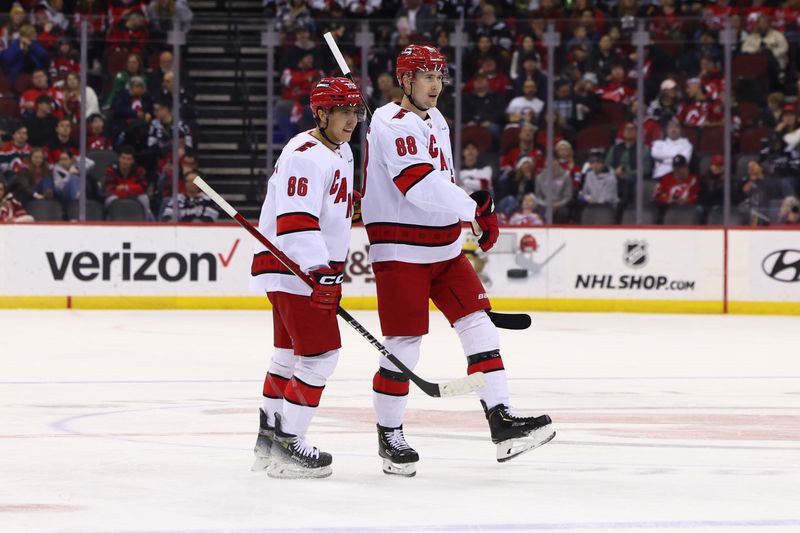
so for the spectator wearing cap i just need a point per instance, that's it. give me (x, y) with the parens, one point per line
(527, 107)
(474, 175)
(665, 106)
(41, 123)
(599, 183)
(765, 37)
(679, 187)
(14, 152)
(24, 54)
(526, 147)
(665, 150)
(699, 111)
(712, 187)
(621, 160)
(482, 107)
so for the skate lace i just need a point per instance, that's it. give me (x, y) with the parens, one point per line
(514, 414)
(304, 448)
(397, 440)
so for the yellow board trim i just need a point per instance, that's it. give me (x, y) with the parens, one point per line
(370, 303)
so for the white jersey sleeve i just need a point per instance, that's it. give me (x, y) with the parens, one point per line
(410, 153)
(300, 188)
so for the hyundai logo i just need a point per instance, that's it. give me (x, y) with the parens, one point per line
(782, 265)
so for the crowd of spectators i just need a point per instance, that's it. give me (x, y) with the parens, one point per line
(128, 109)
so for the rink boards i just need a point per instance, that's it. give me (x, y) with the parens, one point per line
(676, 270)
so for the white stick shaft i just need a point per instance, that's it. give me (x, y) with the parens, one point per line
(337, 55)
(216, 198)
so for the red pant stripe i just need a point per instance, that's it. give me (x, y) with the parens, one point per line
(389, 232)
(388, 386)
(274, 386)
(300, 393)
(412, 175)
(490, 365)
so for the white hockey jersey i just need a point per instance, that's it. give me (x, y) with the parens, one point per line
(411, 206)
(306, 213)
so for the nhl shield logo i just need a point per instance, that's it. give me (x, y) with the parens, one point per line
(635, 254)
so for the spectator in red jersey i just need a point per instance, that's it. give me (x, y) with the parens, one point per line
(23, 54)
(616, 90)
(699, 111)
(133, 67)
(63, 61)
(297, 81)
(40, 85)
(498, 81)
(96, 138)
(41, 124)
(120, 9)
(126, 179)
(130, 34)
(63, 142)
(11, 210)
(679, 187)
(525, 148)
(71, 98)
(482, 107)
(14, 152)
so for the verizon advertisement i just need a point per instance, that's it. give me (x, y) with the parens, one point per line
(764, 266)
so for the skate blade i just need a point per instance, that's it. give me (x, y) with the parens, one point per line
(511, 448)
(289, 471)
(261, 463)
(399, 469)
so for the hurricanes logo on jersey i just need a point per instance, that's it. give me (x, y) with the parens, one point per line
(435, 152)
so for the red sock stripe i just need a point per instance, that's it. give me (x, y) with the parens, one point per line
(295, 222)
(388, 232)
(388, 386)
(301, 393)
(490, 365)
(412, 175)
(274, 386)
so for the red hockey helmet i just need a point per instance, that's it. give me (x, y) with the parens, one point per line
(420, 58)
(332, 92)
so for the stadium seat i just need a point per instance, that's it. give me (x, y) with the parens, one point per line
(5, 85)
(116, 61)
(681, 215)
(125, 210)
(715, 217)
(648, 214)
(593, 137)
(749, 113)
(692, 135)
(598, 214)
(509, 139)
(712, 141)
(94, 210)
(750, 140)
(22, 83)
(9, 106)
(479, 135)
(45, 210)
(753, 66)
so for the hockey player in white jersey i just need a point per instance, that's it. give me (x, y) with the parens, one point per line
(307, 213)
(413, 212)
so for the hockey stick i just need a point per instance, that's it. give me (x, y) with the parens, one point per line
(504, 320)
(452, 388)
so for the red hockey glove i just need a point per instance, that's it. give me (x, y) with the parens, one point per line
(327, 289)
(486, 219)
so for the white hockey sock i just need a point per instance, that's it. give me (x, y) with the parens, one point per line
(390, 386)
(280, 372)
(481, 344)
(303, 393)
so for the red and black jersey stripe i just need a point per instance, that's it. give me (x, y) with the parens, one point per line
(411, 175)
(296, 222)
(300, 393)
(412, 234)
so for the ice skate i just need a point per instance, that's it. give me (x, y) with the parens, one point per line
(514, 434)
(263, 443)
(398, 457)
(294, 458)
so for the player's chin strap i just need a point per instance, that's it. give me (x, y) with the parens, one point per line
(322, 131)
(411, 98)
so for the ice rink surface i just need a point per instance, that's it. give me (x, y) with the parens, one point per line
(145, 421)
